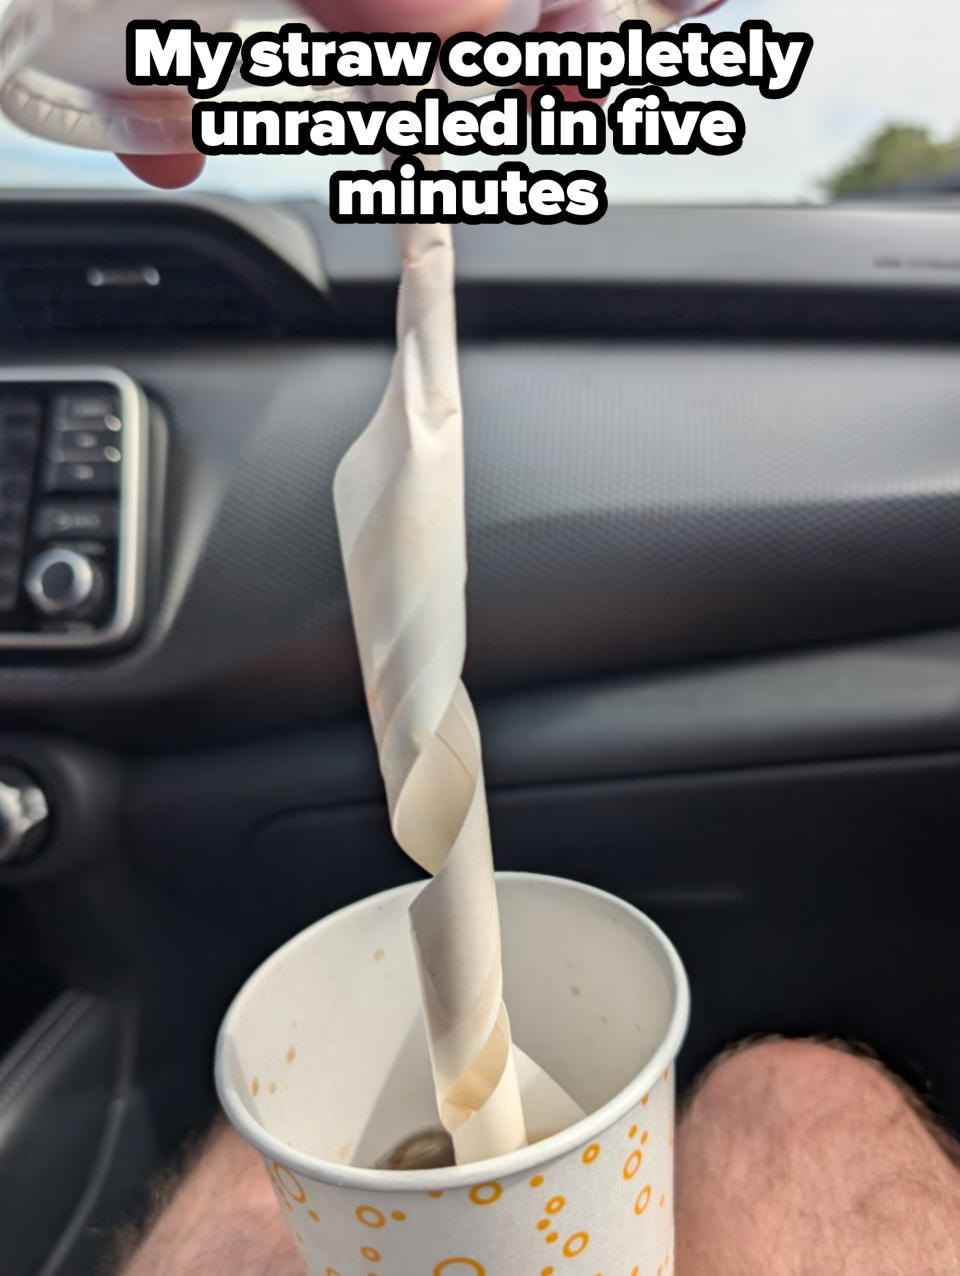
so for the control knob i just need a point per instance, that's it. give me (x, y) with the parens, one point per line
(23, 812)
(61, 582)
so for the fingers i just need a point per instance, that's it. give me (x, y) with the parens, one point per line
(574, 15)
(682, 9)
(167, 172)
(445, 17)
(588, 15)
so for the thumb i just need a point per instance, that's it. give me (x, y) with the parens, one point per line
(167, 172)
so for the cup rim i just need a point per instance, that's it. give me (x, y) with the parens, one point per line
(316, 1169)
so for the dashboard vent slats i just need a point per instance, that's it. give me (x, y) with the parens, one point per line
(121, 272)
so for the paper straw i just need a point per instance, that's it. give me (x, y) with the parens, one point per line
(399, 497)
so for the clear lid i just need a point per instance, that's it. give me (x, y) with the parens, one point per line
(63, 62)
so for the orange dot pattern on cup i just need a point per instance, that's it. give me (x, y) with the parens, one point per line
(291, 1184)
(566, 1237)
(643, 1200)
(375, 1219)
(576, 1244)
(287, 1188)
(486, 1193)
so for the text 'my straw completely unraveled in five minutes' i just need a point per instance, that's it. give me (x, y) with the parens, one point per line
(549, 95)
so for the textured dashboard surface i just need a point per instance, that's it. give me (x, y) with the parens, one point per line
(630, 505)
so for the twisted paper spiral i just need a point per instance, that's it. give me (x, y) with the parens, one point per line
(399, 497)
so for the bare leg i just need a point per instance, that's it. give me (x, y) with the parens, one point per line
(799, 1159)
(222, 1220)
(793, 1159)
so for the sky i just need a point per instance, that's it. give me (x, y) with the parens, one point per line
(874, 62)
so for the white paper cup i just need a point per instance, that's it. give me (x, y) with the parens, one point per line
(322, 1062)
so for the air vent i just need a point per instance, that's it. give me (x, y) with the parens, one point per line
(56, 290)
(144, 272)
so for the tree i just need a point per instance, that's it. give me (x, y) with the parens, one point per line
(898, 155)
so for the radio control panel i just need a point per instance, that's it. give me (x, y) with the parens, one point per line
(73, 490)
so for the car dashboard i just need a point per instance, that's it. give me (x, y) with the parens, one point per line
(713, 497)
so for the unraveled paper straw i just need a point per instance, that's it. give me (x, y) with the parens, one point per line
(399, 497)
(400, 507)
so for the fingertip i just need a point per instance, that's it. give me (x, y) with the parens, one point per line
(165, 172)
(445, 17)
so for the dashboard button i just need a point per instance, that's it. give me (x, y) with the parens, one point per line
(63, 519)
(94, 435)
(85, 445)
(66, 425)
(82, 476)
(79, 410)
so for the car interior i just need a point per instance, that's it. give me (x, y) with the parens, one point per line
(713, 465)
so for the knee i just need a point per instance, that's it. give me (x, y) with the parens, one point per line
(778, 1088)
(790, 1149)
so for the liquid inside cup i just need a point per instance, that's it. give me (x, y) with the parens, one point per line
(430, 1150)
(433, 1150)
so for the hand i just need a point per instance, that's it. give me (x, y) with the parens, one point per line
(445, 17)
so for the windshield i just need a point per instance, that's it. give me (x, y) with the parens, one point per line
(878, 111)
